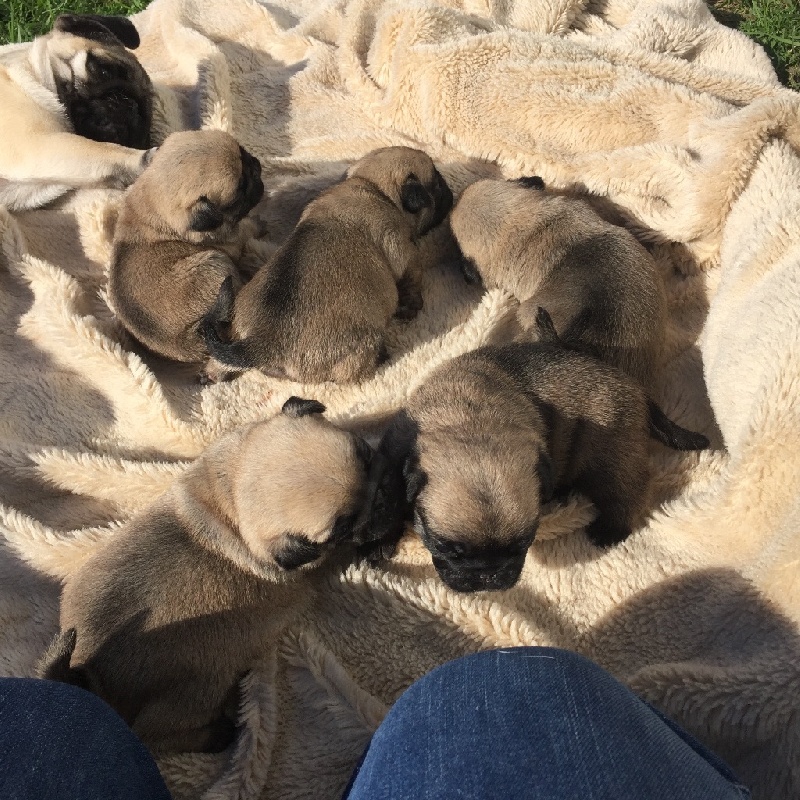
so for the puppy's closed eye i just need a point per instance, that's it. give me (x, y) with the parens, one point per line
(470, 271)
(297, 551)
(103, 70)
(447, 548)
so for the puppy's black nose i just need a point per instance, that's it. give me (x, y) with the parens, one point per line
(479, 581)
(479, 575)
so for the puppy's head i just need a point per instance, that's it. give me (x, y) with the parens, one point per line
(478, 503)
(198, 186)
(107, 94)
(307, 487)
(490, 217)
(409, 178)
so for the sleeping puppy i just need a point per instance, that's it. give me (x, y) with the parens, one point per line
(598, 282)
(178, 236)
(492, 435)
(77, 111)
(190, 594)
(318, 311)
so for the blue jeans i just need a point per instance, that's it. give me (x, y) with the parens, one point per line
(58, 742)
(533, 722)
(522, 723)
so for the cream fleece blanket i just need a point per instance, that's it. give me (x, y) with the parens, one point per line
(680, 129)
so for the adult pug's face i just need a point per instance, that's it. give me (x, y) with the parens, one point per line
(106, 92)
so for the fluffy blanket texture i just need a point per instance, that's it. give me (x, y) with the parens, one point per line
(677, 127)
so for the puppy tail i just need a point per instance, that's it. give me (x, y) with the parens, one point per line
(672, 435)
(231, 353)
(54, 665)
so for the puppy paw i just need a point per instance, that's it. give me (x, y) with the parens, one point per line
(605, 533)
(125, 174)
(409, 297)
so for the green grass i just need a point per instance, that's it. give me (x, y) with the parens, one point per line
(21, 20)
(775, 24)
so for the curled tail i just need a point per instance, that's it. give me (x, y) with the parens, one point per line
(54, 665)
(231, 353)
(672, 435)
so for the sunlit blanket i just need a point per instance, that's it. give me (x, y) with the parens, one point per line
(680, 130)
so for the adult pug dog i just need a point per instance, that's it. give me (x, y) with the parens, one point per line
(599, 284)
(179, 234)
(165, 619)
(77, 111)
(318, 311)
(493, 434)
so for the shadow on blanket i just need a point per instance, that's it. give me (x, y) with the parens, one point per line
(705, 629)
(33, 379)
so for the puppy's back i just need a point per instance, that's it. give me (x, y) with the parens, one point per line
(597, 281)
(141, 639)
(571, 382)
(318, 311)
(608, 297)
(152, 286)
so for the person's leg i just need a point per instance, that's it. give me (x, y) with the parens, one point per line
(533, 722)
(63, 743)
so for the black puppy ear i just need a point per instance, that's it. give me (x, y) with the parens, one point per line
(547, 478)
(99, 28)
(205, 216)
(364, 451)
(343, 528)
(414, 196)
(532, 182)
(298, 407)
(415, 478)
(544, 326)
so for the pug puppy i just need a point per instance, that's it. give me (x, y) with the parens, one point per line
(164, 620)
(179, 234)
(318, 311)
(599, 284)
(492, 435)
(77, 111)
